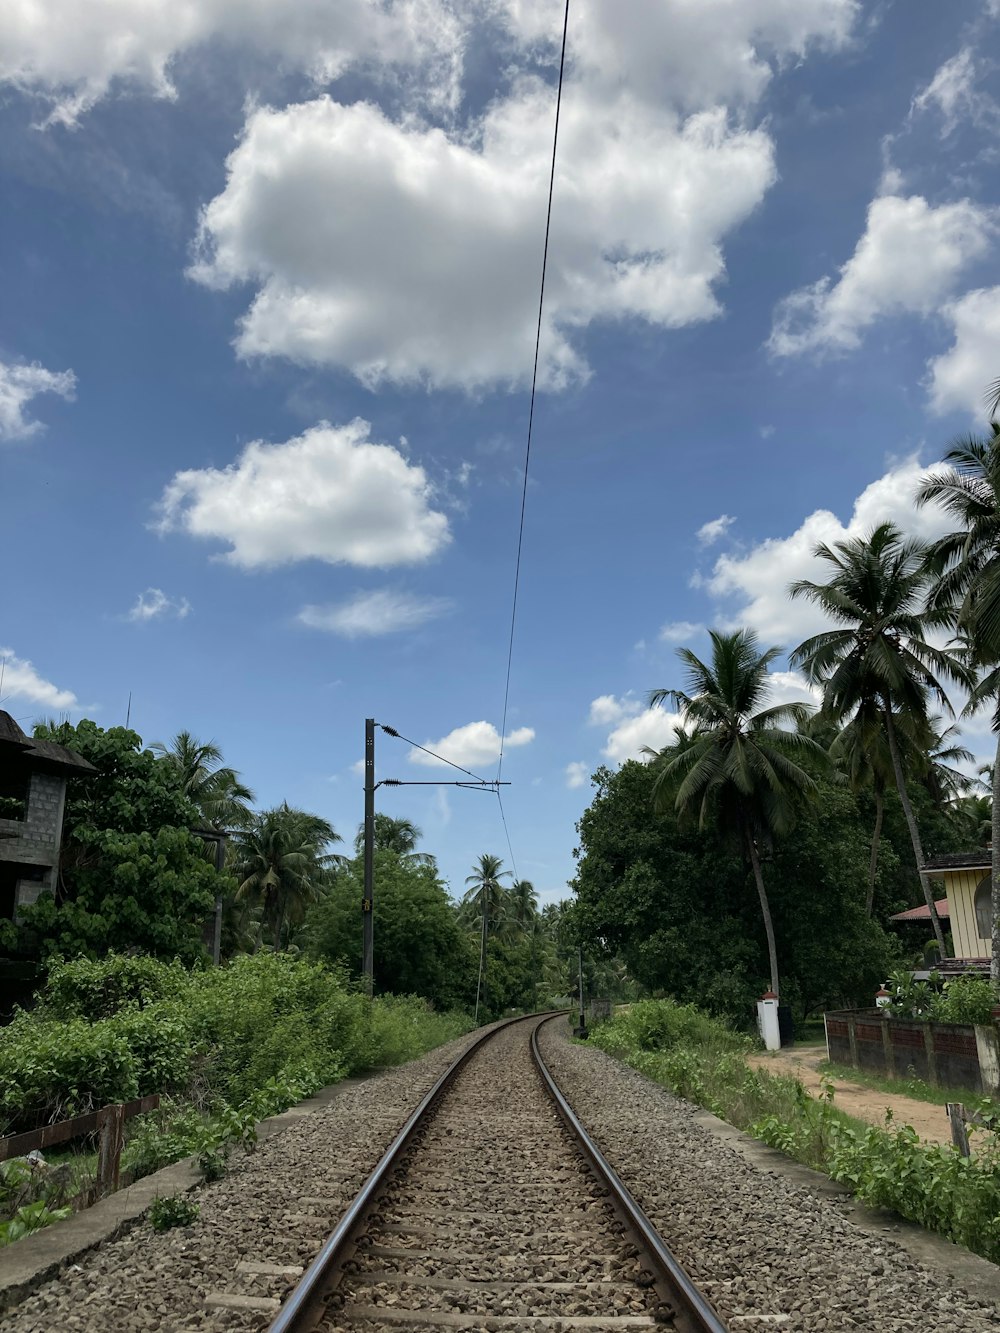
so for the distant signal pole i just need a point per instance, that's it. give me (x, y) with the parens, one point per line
(367, 915)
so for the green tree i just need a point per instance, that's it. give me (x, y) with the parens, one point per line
(131, 875)
(880, 662)
(740, 773)
(968, 563)
(486, 900)
(420, 946)
(279, 861)
(394, 835)
(223, 800)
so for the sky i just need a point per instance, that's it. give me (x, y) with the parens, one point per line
(270, 277)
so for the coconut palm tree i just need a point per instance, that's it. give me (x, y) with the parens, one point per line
(223, 800)
(487, 898)
(860, 752)
(395, 835)
(280, 861)
(522, 900)
(879, 662)
(968, 561)
(740, 773)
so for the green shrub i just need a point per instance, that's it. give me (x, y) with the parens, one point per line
(173, 1210)
(93, 989)
(52, 1070)
(964, 1000)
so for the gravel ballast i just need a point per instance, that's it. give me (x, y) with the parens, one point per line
(764, 1250)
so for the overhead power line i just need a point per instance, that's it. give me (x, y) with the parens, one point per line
(534, 385)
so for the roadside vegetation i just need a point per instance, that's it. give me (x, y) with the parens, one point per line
(702, 1060)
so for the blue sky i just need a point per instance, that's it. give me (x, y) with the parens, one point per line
(269, 280)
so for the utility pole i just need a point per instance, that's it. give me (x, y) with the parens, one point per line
(367, 957)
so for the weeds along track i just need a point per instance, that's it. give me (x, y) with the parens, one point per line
(492, 1211)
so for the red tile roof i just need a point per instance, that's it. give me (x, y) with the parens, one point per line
(922, 913)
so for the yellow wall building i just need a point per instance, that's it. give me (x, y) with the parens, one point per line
(966, 881)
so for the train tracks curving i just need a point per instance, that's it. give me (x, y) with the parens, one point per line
(493, 1210)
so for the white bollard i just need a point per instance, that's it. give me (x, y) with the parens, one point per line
(767, 1021)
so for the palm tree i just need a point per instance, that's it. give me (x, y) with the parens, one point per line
(880, 662)
(522, 901)
(488, 898)
(941, 751)
(860, 751)
(395, 835)
(968, 489)
(279, 861)
(739, 771)
(223, 800)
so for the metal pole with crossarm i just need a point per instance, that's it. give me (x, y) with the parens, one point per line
(367, 915)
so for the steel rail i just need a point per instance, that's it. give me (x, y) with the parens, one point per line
(692, 1303)
(308, 1295)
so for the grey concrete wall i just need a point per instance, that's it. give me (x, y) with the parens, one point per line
(38, 835)
(948, 1054)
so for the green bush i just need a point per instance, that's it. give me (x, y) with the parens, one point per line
(93, 989)
(52, 1070)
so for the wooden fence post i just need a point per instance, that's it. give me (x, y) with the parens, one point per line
(959, 1134)
(111, 1122)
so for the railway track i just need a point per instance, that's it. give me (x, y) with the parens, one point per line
(493, 1210)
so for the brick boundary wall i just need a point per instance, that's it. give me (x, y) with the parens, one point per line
(952, 1055)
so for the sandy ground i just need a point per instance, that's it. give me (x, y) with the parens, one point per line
(802, 1062)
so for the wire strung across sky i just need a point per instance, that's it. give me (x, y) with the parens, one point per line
(391, 731)
(534, 385)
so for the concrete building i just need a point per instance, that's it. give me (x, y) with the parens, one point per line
(33, 776)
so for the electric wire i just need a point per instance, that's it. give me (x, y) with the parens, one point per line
(534, 385)
(510, 848)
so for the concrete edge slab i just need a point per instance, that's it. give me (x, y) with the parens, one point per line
(978, 1276)
(28, 1263)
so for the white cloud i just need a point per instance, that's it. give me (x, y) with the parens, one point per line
(329, 494)
(577, 774)
(475, 743)
(72, 53)
(704, 53)
(607, 710)
(154, 604)
(752, 588)
(19, 679)
(653, 727)
(765, 432)
(383, 611)
(952, 92)
(410, 257)
(907, 262)
(679, 631)
(19, 384)
(960, 376)
(709, 533)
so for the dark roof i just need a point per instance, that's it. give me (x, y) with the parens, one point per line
(11, 733)
(959, 861)
(46, 755)
(922, 913)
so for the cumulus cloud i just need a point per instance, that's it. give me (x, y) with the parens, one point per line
(706, 53)
(154, 604)
(752, 587)
(653, 727)
(907, 262)
(953, 94)
(577, 774)
(959, 377)
(20, 680)
(72, 54)
(19, 384)
(329, 494)
(679, 631)
(607, 709)
(476, 743)
(382, 611)
(411, 257)
(709, 533)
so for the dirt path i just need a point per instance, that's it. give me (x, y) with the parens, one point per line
(802, 1062)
